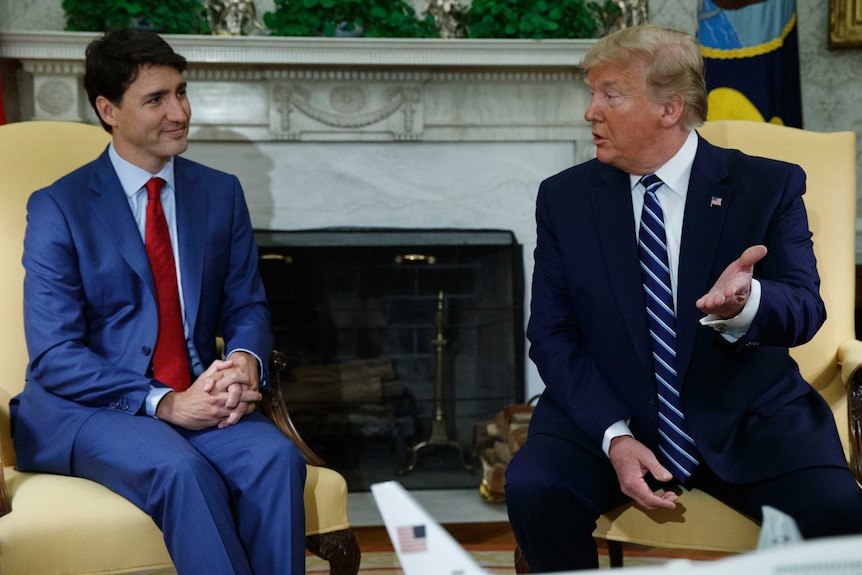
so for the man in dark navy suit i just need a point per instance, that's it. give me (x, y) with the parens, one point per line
(704, 392)
(219, 479)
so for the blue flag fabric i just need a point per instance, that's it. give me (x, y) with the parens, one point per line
(751, 54)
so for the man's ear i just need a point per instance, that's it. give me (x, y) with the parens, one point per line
(106, 110)
(673, 111)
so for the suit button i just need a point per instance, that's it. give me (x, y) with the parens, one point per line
(146, 350)
(650, 399)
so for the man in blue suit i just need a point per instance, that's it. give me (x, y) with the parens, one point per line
(219, 479)
(702, 391)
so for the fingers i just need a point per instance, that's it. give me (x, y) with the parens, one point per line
(641, 494)
(731, 290)
(660, 472)
(212, 374)
(241, 410)
(632, 461)
(752, 255)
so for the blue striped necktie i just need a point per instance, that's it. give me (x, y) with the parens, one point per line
(676, 447)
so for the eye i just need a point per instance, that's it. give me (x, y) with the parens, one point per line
(613, 98)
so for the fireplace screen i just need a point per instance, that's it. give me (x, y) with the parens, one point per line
(398, 342)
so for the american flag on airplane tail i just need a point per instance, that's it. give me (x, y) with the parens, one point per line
(412, 539)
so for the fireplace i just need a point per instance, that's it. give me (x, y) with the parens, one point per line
(396, 337)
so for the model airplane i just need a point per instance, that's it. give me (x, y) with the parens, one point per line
(425, 548)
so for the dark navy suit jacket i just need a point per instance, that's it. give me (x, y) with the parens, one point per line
(90, 311)
(749, 410)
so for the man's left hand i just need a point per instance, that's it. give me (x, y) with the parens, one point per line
(240, 379)
(730, 292)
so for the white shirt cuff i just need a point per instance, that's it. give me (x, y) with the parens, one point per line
(617, 429)
(154, 396)
(734, 328)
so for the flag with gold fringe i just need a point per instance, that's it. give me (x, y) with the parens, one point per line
(751, 53)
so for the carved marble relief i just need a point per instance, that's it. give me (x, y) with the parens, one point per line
(334, 111)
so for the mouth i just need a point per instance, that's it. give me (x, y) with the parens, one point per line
(175, 132)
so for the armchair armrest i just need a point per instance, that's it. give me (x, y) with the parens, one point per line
(274, 407)
(850, 359)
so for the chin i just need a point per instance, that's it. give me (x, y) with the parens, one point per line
(603, 156)
(177, 148)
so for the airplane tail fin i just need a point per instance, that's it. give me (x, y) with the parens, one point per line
(422, 545)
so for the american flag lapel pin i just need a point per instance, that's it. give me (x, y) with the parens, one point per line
(715, 202)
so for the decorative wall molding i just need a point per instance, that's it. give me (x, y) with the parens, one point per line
(256, 88)
(318, 52)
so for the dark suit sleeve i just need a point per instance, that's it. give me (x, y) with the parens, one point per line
(791, 310)
(573, 381)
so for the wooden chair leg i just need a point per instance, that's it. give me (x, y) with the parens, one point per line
(340, 548)
(521, 565)
(615, 553)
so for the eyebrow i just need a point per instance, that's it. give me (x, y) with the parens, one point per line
(160, 93)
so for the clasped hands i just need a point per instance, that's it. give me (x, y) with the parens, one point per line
(219, 397)
(631, 459)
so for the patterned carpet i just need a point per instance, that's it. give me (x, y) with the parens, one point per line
(497, 561)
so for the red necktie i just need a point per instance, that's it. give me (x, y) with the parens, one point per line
(170, 359)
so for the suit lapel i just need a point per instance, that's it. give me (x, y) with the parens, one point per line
(111, 207)
(613, 209)
(192, 204)
(706, 207)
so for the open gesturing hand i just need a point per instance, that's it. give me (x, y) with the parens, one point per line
(730, 292)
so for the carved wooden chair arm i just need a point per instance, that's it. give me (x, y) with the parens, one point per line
(850, 360)
(274, 407)
(854, 415)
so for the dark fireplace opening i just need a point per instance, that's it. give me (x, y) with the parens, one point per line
(398, 343)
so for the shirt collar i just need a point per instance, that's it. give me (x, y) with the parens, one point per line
(675, 173)
(133, 178)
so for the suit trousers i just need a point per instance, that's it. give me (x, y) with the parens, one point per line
(227, 500)
(556, 489)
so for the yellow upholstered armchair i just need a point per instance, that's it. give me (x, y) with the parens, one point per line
(52, 524)
(829, 362)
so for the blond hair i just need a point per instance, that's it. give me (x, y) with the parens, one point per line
(672, 61)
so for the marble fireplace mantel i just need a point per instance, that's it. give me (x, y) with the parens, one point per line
(338, 89)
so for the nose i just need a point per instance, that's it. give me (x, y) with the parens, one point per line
(591, 114)
(178, 110)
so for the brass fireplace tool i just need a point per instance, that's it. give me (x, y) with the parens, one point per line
(439, 436)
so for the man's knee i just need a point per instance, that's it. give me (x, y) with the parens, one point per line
(838, 511)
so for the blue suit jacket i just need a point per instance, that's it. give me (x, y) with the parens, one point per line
(749, 410)
(90, 312)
